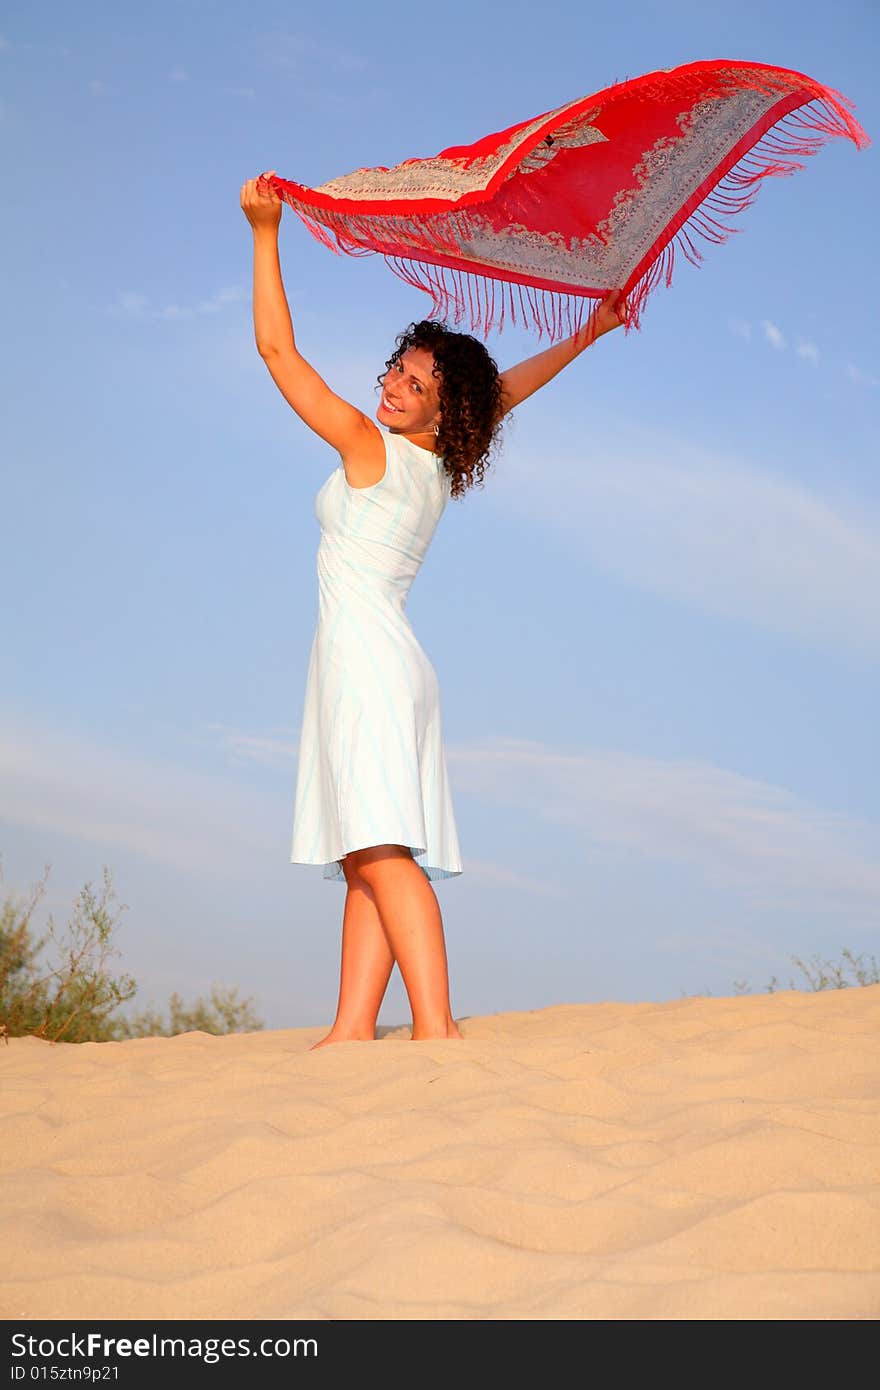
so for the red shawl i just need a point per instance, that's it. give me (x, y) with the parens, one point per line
(548, 215)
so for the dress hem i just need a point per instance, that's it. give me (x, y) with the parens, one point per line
(333, 868)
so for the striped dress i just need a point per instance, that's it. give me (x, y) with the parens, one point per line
(372, 767)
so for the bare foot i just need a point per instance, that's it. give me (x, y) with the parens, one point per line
(425, 1035)
(336, 1037)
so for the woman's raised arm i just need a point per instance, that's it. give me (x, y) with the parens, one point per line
(342, 425)
(527, 377)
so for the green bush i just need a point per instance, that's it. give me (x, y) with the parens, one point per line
(819, 974)
(224, 1012)
(74, 998)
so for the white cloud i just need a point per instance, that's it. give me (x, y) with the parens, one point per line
(775, 849)
(78, 787)
(496, 875)
(300, 54)
(860, 377)
(745, 836)
(807, 350)
(668, 517)
(805, 347)
(229, 294)
(773, 334)
(132, 304)
(277, 749)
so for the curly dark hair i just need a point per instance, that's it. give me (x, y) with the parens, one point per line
(470, 398)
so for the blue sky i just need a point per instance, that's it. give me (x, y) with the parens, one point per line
(656, 629)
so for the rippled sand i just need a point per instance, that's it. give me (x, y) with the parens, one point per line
(704, 1158)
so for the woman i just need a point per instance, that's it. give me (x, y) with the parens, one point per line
(372, 792)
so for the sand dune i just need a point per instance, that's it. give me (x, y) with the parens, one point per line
(704, 1158)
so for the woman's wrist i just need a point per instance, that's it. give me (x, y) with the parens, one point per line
(586, 335)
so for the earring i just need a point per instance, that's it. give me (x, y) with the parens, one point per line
(436, 429)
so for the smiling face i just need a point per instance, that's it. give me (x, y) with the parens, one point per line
(410, 399)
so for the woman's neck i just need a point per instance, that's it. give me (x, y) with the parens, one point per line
(415, 435)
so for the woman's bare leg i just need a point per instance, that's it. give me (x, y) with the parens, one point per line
(413, 925)
(367, 962)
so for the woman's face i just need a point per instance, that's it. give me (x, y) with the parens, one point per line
(410, 399)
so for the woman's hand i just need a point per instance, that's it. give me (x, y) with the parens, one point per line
(523, 380)
(611, 313)
(608, 314)
(260, 205)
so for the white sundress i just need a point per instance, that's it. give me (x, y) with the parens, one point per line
(372, 766)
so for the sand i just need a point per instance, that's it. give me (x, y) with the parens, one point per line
(703, 1158)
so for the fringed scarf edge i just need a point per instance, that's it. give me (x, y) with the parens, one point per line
(488, 300)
